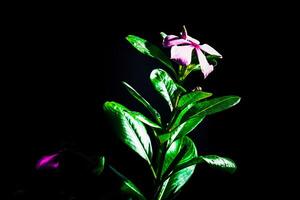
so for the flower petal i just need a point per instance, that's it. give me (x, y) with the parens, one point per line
(48, 161)
(206, 68)
(193, 40)
(172, 40)
(182, 54)
(208, 49)
(185, 36)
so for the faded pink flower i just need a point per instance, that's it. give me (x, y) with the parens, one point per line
(182, 48)
(48, 161)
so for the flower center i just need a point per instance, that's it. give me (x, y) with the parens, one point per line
(196, 46)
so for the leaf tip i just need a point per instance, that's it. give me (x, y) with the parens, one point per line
(238, 99)
(100, 166)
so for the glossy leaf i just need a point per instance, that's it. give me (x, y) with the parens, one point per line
(188, 69)
(138, 97)
(144, 119)
(131, 131)
(129, 187)
(186, 127)
(171, 153)
(100, 166)
(182, 114)
(149, 49)
(181, 88)
(186, 102)
(192, 97)
(162, 189)
(164, 85)
(212, 106)
(178, 179)
(213, 59)
(182, 130)
(218, 162)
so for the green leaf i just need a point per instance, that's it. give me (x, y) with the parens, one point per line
(187, 101)
(188, 69)
(186, 127)
(192, 97)
(212, 106)
(100, 166)
(131, 131)
(218, 162)
(181, 130)
(151, 50)
(164, 137)
(164, 84)
(129, 187)
(162, 189)
(182, 114)
(225, 164)
(181, 88)
(178, 179)
(213, 59)
(138, 97)
(171, 154)
(144, 119)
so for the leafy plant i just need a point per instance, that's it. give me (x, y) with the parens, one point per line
(175, 157)
(166, 147)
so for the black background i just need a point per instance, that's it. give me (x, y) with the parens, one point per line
(61, 65)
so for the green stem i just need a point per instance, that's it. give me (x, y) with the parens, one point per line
(161, 161)
(163, 150)
(174, 114)
(153, 172)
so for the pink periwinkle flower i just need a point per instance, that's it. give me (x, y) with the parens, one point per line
(182, 48)
(48, 162)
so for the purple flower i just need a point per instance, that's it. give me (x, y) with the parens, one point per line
(48, 162)
(182, 48)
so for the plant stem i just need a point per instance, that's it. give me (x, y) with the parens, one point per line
(163, 148)
(153, 171)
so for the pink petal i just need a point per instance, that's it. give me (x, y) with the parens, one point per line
(172, 40)
(206, 68)
(182, 54)
(193, 40)
(185, 36)
(48, 161)
(208, 49)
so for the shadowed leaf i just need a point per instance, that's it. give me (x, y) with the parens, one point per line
(151, 50)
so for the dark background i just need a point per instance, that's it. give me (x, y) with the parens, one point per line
(61, 65)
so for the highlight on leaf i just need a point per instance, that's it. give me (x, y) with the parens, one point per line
(131, 131)
(151, 50)
(222, 163)
(100, 165)
(164, 85)
(212, 106)
(143, 101)
(128, 186)
(177, 180)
